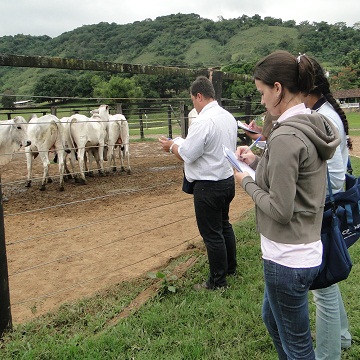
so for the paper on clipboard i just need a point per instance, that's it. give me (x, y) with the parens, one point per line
(261, 144)
(178, 140)
(245, 127)
(237, 164)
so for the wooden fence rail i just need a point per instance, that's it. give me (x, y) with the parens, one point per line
(215, 75)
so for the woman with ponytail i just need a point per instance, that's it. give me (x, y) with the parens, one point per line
(332, 328)
(289, 195)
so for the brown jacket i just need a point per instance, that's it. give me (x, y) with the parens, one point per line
(289, 190)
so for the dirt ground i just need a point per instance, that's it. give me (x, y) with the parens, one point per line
(62, 246)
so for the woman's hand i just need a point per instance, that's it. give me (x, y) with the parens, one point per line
(240, 175)
(253, 126)
(244, 154)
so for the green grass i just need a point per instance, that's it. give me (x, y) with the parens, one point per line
(354, 123)
(217, 325)
(354, 119)
(185, 325)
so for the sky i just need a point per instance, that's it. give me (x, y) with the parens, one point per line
(54, 17)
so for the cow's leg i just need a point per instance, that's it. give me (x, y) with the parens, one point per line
(61, 157)
(73, 158)
(97, 154)
(67, 173)
(100, 155)
(126, 153)
(81, 154)
(111, 157)
(44, 155)
(121, 157)
(105, 153)
(29, 159)
(88, 161)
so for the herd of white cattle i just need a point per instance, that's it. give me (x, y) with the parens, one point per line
(77, 137)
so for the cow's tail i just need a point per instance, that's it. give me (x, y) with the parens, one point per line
(71, 121)
(61, 137)
(125, 135)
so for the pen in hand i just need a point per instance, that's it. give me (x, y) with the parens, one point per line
(252, 145)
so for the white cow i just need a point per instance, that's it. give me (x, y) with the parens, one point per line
(13, 136)
(119, 137)
(65, 122)
(89, 134)
(192, 115)
(45, 134)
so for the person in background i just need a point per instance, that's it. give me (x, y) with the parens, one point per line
(332, 327)
(212, 178)
(269, 122)
(289, 193)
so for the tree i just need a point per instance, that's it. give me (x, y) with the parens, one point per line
(56, 85)
(163, 86)
(345, 79)
(357, 26)
(8, 99)
(85, 84)
(118, 87)
(349, 76)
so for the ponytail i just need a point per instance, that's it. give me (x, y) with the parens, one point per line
(306, 79)
(322, 88)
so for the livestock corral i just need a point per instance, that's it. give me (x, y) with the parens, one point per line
(65, 245)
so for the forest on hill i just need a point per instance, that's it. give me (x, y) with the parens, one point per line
(183, 40)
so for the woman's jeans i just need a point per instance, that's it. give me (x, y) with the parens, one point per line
(332, 327)
(212, 201)
(285, 309)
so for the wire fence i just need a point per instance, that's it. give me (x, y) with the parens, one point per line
(62, 246)
(96, 238)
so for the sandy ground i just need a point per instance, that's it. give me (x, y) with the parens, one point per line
(62, 246)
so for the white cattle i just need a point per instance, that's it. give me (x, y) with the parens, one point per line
(45, 134)
(65, 122)
(119, 137)
(12, 137)
(89, 134)
(192, 115)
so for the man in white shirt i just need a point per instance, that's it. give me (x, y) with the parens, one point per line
(211, 175)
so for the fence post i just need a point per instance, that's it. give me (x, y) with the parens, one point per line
(53, 110)
(5, 310)
(141, 123)
(247, 109)
(216, 78)
(169, 122)
(184, 117)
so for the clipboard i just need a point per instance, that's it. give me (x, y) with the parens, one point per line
(237, 164)
(246, 128)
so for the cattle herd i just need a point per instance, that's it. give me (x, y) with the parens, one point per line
(77, 138)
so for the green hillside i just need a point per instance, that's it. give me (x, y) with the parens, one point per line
(206, 52)
(185, 40)
(261, 40)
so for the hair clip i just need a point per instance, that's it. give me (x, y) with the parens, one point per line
(299, 57)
